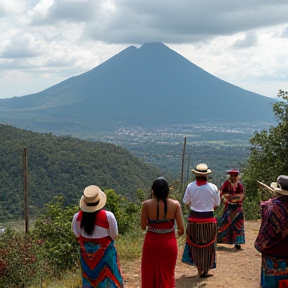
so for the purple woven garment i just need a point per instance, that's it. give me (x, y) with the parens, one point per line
(274, 226)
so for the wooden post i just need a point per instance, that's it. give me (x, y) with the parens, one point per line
(182, 166)
(188, 166)
(25, 168)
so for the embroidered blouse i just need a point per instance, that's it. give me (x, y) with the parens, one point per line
(233, 190)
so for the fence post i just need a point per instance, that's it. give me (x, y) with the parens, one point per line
(25, 168)
(182, 166)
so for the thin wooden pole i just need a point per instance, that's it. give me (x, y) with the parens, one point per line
(188, 166)
(25, 166)
(182, 166)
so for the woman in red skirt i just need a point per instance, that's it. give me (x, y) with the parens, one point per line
(159, 253)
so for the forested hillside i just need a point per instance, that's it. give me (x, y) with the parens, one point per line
(64, 166)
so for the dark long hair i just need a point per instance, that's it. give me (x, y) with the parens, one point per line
(201, 177)
(160, 188)
(88, 221)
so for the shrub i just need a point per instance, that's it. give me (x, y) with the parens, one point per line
(21, 260)
(53, 229)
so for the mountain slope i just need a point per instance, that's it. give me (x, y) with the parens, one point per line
(64, 166)
(150, 85)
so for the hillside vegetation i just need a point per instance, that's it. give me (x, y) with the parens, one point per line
(50, 250)
(64, 166)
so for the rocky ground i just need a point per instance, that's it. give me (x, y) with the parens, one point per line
(235, 268)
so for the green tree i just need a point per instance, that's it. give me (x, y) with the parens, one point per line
(53, 228)
(268, 151)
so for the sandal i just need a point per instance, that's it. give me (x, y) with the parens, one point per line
(204, 274)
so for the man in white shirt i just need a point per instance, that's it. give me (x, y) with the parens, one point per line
(201, 197)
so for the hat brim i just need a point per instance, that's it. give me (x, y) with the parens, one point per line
(274, 186)
(102, 202)
(201, 173)
(262, 185)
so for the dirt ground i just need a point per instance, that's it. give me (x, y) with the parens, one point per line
(235, 268)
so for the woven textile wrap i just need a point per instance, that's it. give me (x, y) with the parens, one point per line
(99, 263)
(274, 228)
(272, 241)
(99, 259)
(231, 222)
(231, 225)
(273, 270)
(200, 244)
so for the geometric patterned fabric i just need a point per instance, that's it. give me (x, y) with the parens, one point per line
(231, 225)
(99, 263)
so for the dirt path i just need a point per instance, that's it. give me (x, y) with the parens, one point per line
(237, 269)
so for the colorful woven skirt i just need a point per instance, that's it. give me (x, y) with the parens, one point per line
(99, 263)
(273, 270)
(231, 225)
(200, 244)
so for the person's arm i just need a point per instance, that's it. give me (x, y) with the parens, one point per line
(225, 187)
(222, 189)
(186, 198)
(75, 225)
(113, 227)
(179, 220)
(144, 215)
(217, 197)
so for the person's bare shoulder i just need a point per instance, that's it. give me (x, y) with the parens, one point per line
(147, 201)
(174, 202)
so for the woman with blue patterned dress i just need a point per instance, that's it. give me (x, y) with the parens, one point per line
(159, 253)
(96, 230)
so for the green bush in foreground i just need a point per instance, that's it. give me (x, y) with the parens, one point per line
(21, 260)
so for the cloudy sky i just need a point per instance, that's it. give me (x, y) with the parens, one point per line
(44, 42)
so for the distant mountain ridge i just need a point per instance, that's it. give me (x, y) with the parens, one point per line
(152, 85)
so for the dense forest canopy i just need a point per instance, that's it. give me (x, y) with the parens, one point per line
(64, 166)
(269, 150)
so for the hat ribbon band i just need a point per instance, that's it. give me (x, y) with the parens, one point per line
(93, 204)
(201, 170)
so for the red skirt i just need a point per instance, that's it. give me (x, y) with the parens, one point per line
(158, 263)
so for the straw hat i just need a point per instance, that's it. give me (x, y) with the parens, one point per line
(201, 169)
(275, 188)
(93, 199)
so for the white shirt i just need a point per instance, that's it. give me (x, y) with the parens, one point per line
(202, 198)
(99, 232)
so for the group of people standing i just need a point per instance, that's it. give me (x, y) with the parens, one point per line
(161, 218)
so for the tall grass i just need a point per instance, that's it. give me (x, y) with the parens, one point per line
(129, 246)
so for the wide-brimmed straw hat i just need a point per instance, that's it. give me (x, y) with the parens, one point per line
(279, 187)
(93, 199)
(201, 169)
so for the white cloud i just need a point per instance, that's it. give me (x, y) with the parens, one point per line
(45, 42)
